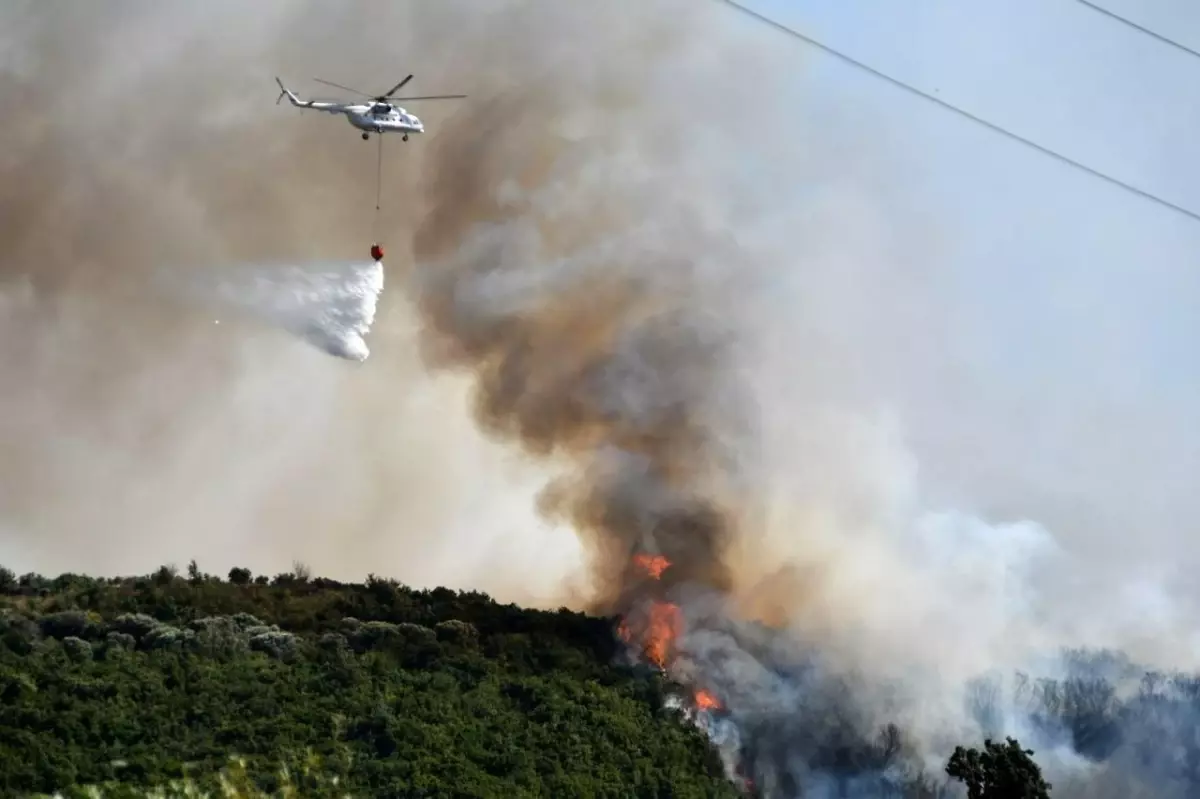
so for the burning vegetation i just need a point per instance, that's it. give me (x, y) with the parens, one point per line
(654, 632)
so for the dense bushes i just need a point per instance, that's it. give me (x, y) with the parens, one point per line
(393, 692)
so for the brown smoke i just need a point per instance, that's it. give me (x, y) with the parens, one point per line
(578, 305)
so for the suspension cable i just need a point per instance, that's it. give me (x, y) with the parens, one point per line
(378, 183)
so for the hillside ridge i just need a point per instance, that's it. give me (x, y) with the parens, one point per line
(366, 689)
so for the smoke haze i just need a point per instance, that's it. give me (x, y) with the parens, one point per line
(644, 310)
(136, 431)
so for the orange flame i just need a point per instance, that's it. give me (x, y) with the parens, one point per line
(666, 624)
(706, 701)
(653, 565)
(657, 632)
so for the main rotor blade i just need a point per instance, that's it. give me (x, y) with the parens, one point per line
(399, 86)
(343, 88)
(428, 97)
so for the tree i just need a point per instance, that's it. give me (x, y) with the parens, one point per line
(239, 576)
(165, 574)
(1000, 771)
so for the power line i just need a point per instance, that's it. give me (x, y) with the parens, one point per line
(1131, 24)
(779, 26)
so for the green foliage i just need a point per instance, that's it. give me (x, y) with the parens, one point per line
(324, 689)
(1000, 771)
(239, 576)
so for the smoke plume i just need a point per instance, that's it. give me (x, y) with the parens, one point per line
(567, 292)
(614, 356)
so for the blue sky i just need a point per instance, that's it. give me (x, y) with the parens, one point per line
(1060, 74)
(1072, 306)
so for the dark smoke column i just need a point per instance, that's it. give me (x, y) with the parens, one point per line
(579, 321)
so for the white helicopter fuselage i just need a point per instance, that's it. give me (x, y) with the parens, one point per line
(383, 118)
(374, 117)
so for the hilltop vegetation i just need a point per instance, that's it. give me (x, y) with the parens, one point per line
(248, 686)
(367, 690)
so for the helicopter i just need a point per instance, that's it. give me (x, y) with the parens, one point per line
(381, 115)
